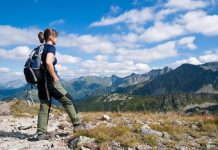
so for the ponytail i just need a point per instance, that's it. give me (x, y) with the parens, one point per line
(44, 36)
(41, 37)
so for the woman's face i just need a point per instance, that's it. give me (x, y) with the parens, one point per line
(54, 40)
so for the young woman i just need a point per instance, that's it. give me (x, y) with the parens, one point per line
(52, 87)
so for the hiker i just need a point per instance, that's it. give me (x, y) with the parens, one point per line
(52, 87)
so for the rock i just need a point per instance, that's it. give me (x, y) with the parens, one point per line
(112, 146)
(106, 117)
(143, 147)
(83, 141)
(145, 129)
(24, 127)
(63, 134)
(73, 142)
(92, 146)
(84, 148)
(63, 125)
(166, 135)
(177, 123)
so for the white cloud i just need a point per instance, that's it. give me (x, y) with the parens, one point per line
(161, 51)
(191, 60)
(200, 22)
(101, 57)
(19, 74)
(165, 12)
(4, 70)
(22, 53)
(211, 57)
(67, 59)
(186, 4)
(161, 31)
(188, 42)
(124, 68)
(87, 43)
(56, 22)
(132, 16)
(18, 53)
(17, 36)
(105, 68)
(114, 9)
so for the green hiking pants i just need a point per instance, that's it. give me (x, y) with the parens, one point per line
(57, 91)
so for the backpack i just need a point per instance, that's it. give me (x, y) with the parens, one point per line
(33, 68)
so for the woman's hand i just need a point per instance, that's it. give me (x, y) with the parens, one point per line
(55, 79)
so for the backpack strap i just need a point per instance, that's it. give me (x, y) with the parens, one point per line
(40, 51)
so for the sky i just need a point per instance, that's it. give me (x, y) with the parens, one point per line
(109, 37)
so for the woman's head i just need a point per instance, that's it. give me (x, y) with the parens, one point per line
(48, 35)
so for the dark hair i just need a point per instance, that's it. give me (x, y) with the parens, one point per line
(44, 36)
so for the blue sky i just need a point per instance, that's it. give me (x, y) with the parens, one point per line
(106, 37)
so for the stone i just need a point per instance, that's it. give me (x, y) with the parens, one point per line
(84, 148)
(81, 141)
(24, 127)
(106, 117)
(84, 139)
(166, 135)
(145, 129)
(143, 147)
(73, 143)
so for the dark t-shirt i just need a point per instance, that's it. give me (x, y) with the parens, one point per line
(49, 49)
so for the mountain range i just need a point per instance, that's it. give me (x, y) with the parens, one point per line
(186, 78)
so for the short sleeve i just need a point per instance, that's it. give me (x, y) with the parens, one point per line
(52, 49)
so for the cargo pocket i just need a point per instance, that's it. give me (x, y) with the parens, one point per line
(58, 90)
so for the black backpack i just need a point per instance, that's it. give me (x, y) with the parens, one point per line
(33, 68)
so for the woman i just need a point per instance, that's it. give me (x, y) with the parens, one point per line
(52, 87)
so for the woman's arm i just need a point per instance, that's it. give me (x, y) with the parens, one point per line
(50, 66)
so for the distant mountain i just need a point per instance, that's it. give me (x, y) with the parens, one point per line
(185, 78)
(86, 86)
(94, 86)
(134, 79)
(13, 84)
(211, 65)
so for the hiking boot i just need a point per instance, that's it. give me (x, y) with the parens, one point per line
(43, 137)
(79, 127)
(36, 137)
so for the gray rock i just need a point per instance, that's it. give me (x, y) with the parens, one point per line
(166, 135)
(143, 147)
(24, 127)
(82, 141)
(73, 143)
(106, 117)
(145, 129)
(85, 148)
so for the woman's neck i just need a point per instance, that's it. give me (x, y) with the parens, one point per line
(49, 42)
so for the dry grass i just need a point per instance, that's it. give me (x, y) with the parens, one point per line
(126, 131)
(21, 109)
(103, 133)
(178, 125)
